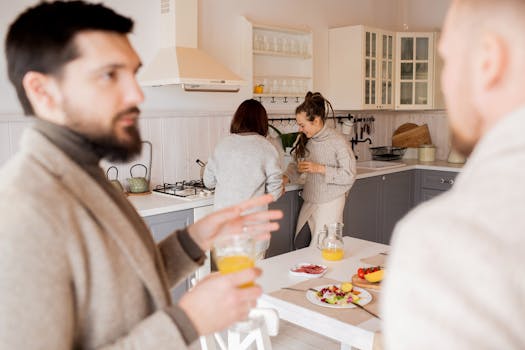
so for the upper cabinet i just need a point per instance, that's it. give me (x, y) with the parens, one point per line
(361, 63)
(417, 79)
(374, 69)
(282, 64)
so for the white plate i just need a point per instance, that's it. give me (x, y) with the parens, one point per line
(305, 274)
(364, 296)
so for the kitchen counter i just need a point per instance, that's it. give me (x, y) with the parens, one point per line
(411, 164)
(156, 203)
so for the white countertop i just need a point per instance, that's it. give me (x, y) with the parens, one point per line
(411, 164)
(157, 203)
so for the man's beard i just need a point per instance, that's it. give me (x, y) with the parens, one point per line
(108, 146)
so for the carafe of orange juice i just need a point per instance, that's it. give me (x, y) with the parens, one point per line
(330, 242)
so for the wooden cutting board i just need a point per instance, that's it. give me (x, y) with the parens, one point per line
(405, 127)
(414, 137)
(359, 282)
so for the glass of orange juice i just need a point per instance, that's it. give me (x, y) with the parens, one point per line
(234, 253)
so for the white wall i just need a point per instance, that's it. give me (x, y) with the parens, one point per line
(177, 122)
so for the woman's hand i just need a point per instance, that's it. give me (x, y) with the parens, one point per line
(311, 167)
(230, 220)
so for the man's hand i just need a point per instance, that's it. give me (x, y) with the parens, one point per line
(217, 302)
(310, 167)
(230, 220)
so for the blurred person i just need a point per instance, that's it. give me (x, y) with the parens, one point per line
(325, 156)
(454, 278)
(78, 267)
(245, 163)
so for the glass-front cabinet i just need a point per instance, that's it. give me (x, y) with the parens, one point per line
(415, 73)
(361, 68)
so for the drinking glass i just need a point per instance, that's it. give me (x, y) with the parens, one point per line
(233, 253)
(302, 177)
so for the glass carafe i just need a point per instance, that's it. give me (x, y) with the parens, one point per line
(330, 242)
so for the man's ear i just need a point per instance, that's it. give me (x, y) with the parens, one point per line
(43, 94)
(493, 58)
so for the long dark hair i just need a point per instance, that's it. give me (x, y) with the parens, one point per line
(41, 39)
(250, 116)
(314, 105)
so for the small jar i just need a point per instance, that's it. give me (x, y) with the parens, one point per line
(426, 153)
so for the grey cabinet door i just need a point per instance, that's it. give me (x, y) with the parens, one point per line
(396, 201)
(431, 183)
(161, 226)
(282, 240)
(361, 213)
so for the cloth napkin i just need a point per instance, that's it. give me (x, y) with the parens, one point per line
(353, 316)
(376, 260)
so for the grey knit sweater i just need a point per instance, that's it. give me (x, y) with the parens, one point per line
(243, 166)
(330, 148)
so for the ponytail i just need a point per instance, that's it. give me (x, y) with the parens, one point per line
(314, 105)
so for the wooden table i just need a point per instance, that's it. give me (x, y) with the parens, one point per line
(276, 275)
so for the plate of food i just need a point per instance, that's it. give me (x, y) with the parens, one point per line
(308, 270)
(338, 296)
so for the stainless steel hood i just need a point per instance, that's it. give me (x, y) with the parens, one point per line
(179, 61)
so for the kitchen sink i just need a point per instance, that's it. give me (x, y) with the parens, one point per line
(378, 165)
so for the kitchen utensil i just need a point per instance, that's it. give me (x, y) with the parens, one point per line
(202, 165)
(356, 281)
(330, 241)
(301, 290)
(138, 184)
(413, 137)
(404, 128)
(387, 152)
(115, 182)
(141, 184)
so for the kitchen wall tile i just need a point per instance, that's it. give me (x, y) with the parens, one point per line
(179, 140)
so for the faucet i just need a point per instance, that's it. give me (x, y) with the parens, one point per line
(355, 141)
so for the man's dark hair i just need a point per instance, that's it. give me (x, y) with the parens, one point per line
(250, 116)
(41, 39)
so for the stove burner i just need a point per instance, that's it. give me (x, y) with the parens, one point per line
(192, 189)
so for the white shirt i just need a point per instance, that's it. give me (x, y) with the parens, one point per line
(455, 277)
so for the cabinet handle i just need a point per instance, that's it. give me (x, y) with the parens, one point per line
(383, 178)
(448, 181)
(300, 194)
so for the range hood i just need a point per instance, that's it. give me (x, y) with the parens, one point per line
(179, 61)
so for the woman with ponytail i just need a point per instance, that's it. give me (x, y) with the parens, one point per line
(325, 156)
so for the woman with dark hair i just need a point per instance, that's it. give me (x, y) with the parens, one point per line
(326, 157)
(245, 164)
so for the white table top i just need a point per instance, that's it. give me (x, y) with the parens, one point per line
(275, 276)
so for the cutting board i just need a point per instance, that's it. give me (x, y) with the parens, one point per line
(414, 137)
(404, 128)
(359, 282)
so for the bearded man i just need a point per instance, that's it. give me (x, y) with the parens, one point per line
(78, 267)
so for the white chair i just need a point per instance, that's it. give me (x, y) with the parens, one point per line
(268, 326)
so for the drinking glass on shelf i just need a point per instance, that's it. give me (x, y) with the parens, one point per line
(258, 44)
(265, 43)
(233, 253)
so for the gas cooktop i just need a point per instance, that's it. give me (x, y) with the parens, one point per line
(189, 190)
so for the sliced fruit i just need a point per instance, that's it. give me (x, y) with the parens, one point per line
(346, 287)
(375, 276)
